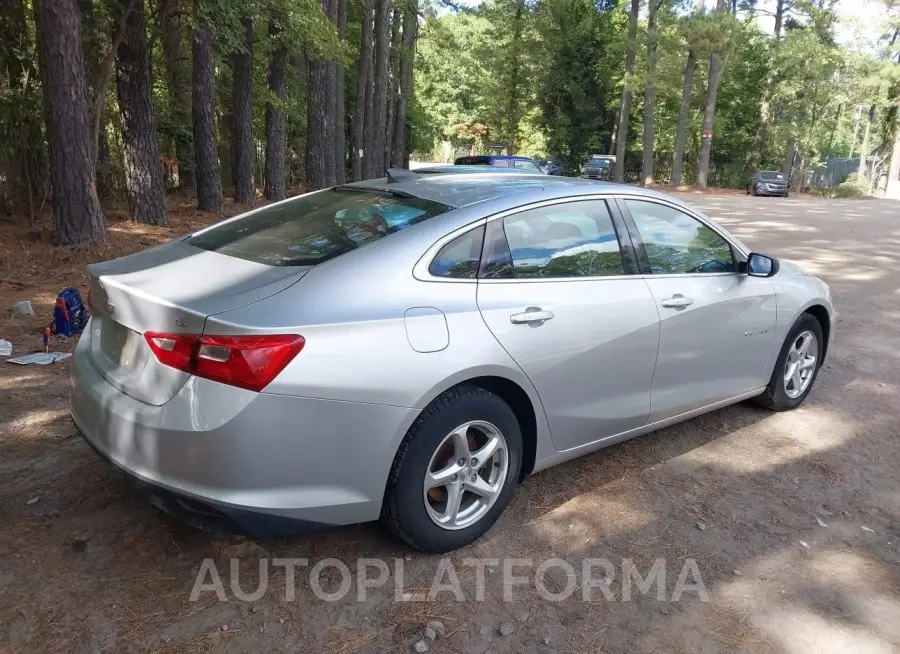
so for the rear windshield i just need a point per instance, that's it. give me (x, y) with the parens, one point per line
(318, 227)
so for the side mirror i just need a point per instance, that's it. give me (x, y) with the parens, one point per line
(760, 265)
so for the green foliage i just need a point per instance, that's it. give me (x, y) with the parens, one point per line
(853, 187)
(575, 97)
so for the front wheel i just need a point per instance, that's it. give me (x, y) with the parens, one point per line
(455, 471)
(797, 366)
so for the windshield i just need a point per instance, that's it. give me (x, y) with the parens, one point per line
(315, 228)
(599, 163)
(771, 175)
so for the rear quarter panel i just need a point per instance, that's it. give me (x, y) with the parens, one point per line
(351, 311)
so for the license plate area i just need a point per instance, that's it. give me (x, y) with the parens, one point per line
(119, 344)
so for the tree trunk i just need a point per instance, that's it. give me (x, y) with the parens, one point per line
(340, 111)
(864, 151)
(143, 169)
(381, 83)
(410, 30)
(709, 113)
(321, 158)
(625, 107)
(514, 110)
(172, 21)
(206, 154)
(394, 87)
(276, 132)
(765, 114)
(683, 116)
(650, 93)
(242, 150)
(788, 165)
(368, 164)
(77, 217)
(363, 76)
(709, 116)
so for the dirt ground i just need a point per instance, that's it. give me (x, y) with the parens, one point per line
(793, 519)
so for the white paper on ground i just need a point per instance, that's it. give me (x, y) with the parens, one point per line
(5, 348)
(41, 358)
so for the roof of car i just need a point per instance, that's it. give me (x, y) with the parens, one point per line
(466, 188)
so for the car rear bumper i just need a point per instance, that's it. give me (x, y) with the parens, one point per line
(215, 455)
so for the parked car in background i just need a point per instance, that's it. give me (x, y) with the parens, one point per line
(599, 166)
(410, 348)
(500, 161)
(769, 182)
(550, 166)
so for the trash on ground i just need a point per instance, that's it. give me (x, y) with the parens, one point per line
(23, 308)
(40, 358)
(5, 348)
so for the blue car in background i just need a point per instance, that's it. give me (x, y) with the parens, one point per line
(500, 161)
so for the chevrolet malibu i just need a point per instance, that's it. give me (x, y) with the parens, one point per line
(410, 348)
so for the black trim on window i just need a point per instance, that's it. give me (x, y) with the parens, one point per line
(629, 256)
(640, 253)
(496, 259)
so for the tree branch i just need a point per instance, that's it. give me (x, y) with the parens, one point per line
(106, 70)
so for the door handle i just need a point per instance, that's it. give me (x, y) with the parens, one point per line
(677, 301)
(531, 314)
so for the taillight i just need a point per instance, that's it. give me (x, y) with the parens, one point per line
(250, 362)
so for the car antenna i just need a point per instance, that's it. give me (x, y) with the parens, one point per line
(398, 175)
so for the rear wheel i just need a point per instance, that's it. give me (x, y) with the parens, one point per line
(797, 366)
(455, 471)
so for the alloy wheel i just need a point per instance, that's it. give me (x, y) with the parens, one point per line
(465, 475)
(800, 365)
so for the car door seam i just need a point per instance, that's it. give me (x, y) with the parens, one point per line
(658, 345)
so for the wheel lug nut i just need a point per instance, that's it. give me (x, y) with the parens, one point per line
(454, 478)
(462, 462)
(474, 462)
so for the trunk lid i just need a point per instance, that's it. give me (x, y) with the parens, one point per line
(172, 288)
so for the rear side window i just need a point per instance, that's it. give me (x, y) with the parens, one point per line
(459, 258)
(315, 228)
(501, 163)
(574, 239)
(526, 165)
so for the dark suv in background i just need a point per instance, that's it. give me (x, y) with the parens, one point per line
(769, 182)
(499, 161)
(599, 166)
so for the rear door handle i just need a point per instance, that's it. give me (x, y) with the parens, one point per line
(531, 314)
(677, 301)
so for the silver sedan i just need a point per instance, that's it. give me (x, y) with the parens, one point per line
(410, 348)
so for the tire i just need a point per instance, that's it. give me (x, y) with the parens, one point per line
(404, 509)
(776, 396)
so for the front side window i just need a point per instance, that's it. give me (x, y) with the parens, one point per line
(315, 228)
(574, 239)
(678, 243)
(459, 258)
(526, 165)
